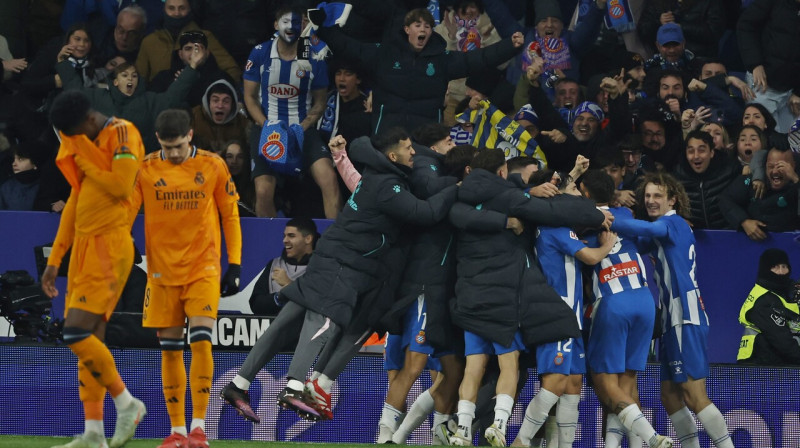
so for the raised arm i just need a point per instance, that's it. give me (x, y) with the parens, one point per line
(637, 227)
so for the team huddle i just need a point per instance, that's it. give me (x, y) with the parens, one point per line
(463, 264)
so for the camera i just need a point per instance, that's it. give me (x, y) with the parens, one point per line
(27, 308)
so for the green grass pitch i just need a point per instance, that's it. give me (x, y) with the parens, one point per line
(47, 442)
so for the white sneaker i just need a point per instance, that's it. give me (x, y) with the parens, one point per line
(86, 440)
(127, 421)
(385, 434)
(495, 436)
(460, 438)
(662, 442)
(443, 432)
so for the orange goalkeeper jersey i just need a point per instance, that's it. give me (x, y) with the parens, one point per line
(182, 209)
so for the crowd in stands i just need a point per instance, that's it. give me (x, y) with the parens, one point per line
(706, 90)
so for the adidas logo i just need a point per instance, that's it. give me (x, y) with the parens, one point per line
(207, 308)
(161, 183)
(205, 390)
(172, 400)
(82, 299)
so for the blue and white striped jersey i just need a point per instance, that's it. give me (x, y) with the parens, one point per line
(555, 249)
(622, 269)
(285, 85)
(675, 267)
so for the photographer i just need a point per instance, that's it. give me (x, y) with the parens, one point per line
(770, 316)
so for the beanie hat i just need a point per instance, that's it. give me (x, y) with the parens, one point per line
(591, 107)
(545, 9)
(34, 150)
(193, 36)
(527, 113)
(771, 258)
(630, 60)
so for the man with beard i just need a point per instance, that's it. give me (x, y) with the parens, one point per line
(349, 267)
(776, 211)
(157, 47)
(771, 319)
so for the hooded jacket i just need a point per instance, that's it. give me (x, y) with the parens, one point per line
(141, 108)
(350, 258)
(704, 189)
(410, 86)
(500, 288)
(212, 136)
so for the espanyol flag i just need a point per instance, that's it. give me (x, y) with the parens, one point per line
(282, 147)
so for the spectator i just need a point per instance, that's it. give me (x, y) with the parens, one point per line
(299, 238)
(705, 174)
(661, 143)
(465, 28)
(238, 24)
(714, 71)
(121, 41)
(769, 315)
(671, 50)
(767, 43)
(345, 109)
(758, 115)
(104, 14)
(563, 48)
(776, 211)
(568, 94)
(217, 120)
(238, 159)
(208, 73)
(411, 69)
(19, 192)
(750, 141)
(722, 141)
(127, 98)
(154, 55)
(702, 22)
(42, 83)
(279, 87)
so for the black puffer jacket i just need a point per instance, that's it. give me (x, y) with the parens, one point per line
(500, 288)
(769, 34)
(350, 258)
(705, 189)
(410, 86)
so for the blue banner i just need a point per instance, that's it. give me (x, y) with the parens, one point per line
(726, 266)
(759, 404)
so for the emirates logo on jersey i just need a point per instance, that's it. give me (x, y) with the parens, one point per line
(619, 270)
(283, 91)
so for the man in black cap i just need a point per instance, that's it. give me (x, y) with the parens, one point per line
(770, 317)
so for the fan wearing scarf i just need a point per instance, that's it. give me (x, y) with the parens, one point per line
(562, 49)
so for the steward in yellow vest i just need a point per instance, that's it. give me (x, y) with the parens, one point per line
(771, 322)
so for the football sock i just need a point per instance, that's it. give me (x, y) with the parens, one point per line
(324, 382)
(502, 410)
(567, 419)
(199, 423)
(98, 360)
(201, 372)
(418, 412)
(633, 420)
(614, 431)
(173, 381)
(241, 382)
(536, 414)
(466, 413)
(685, 428)
(715, 426)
